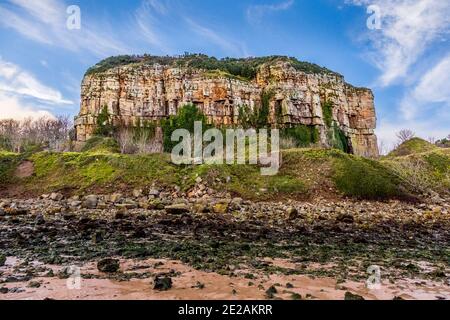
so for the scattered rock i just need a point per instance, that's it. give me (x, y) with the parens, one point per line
(56, 196)
(351, 296)
(34, 284)
(90, 202)
(271, 292)
(40, 220)
(154, 193)
(291, 213)
(162, 283)
(221, 207)
(4, 290)
(2, 260)
(179, 208)
(108, 265)
(345, 218)
(137, 193)
(116, 197)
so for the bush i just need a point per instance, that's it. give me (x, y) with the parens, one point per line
(185, 119)
(301, 135)
(244, 68)
(364, 178)
(101, 144)
(338, 139)
(327, 110)
(105, 125)
(414, 145)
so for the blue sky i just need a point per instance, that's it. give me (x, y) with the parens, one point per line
(406, 62)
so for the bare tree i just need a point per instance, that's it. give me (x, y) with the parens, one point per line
(125, 140)
(52, 134)
(405, 135)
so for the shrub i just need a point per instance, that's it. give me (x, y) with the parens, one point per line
(327, 110)
(243, 68)
(101, 144)
(364, 178)
(105, 125)
(185, 119)
(414, 145)
(303, 136)
(338, 139)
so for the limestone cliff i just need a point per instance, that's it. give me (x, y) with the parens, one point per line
(152, 91)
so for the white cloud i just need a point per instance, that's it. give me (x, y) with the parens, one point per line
(432, 90)
(228, 46)
(423, 128)
(256, 12)
(147, 20)
(44, 21)
(13, 108)
(14, 80)
(409, 28)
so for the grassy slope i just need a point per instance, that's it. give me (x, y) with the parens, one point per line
(413, 146)
(423, 164)
(304, 172)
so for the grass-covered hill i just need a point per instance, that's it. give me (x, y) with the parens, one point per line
(245, 68)
(305, 173)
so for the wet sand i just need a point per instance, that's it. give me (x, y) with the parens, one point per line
(216, 286)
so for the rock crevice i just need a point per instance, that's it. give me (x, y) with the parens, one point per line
(154, 92)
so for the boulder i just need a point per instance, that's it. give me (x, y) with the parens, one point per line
(56, 196)
(179, 208)
(90, 202)
(162, 283)
(108, 265)
(352, 296)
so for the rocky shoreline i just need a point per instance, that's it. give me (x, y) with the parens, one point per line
(216, 234)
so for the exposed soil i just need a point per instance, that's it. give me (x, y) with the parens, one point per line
(24, 170)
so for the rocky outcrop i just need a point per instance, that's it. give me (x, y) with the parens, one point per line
(153, 92)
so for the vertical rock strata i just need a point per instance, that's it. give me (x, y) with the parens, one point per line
(154, 92)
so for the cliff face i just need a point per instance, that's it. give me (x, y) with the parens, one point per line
(152, 92)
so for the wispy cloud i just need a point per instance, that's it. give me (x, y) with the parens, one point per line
(409, 28)
(433, 88)
(44, 21)
(15, 81)
(255, 13)
(148, 23)
(11, 107)
(228, 46)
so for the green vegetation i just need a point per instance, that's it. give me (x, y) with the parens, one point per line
(338, 139)
(423, 171)
(8, 162)
(101, 144)
(302, 135)
(303, 172)
(414, 145)
(244, 68)
(364, 178)
(185, 119)
(105, 125)
(327, 110)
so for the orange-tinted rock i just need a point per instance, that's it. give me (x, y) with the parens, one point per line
(153, 92)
